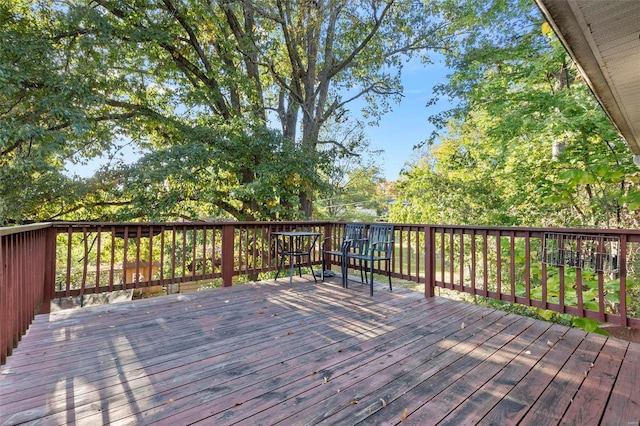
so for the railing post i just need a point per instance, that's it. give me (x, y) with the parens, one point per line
(328, 230)
(227, 254)
(49, 282)
(429, 270)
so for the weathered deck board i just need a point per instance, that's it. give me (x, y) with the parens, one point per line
(265, 353)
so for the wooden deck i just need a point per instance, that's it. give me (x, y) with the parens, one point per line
(264, 353)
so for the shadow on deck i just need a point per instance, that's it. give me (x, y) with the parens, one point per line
(265, 353)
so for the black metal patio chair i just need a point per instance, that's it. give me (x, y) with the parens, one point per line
(377, 247)
(353, 236)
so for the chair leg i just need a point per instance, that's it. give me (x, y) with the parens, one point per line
(279, 267)
(345, 272)
(323, 267)
(311, 267)
(371, 283)
(389, 274)
(292, 261)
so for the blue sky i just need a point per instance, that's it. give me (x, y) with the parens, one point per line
(407, 125)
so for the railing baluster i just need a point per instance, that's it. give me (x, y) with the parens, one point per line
(512, 265)
(461, 255)
(473, 261)
(174, 237)
(499, 264)
(451, 259)
(68, 277)
(527, 267)
(98, 258)
(578, 282)
(85, 259)
(623, 281)
(601, 295)
(485, 263)
(112, 261)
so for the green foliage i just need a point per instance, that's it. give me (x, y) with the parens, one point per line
(193, 79)
(493, 163)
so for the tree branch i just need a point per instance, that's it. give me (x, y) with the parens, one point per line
(342, 147)
(193, 39)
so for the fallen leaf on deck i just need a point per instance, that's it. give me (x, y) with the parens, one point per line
(326, 379)
(384, 403)
(237, 404)
(462, 326)
(405, 414)
(354, 402)
(289, 333)
(549, 343)
(260, 313)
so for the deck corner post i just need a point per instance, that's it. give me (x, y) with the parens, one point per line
(228, 237)
(49, 281)
(328, 229)
(429, 270)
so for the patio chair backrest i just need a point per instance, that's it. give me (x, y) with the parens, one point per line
(354, 235)
(380, 241)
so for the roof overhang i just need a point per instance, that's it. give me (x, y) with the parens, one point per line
(603, 38)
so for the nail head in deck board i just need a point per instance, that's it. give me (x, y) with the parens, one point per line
(172, 353)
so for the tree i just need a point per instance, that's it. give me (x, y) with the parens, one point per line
(43, 99)
(520, 96)
(169, 73)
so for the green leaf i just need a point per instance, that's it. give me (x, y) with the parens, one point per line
(613, 297)
(546, 314)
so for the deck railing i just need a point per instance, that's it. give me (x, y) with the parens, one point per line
(583, 272)
(26, 260)
(99, 257)
(589, 273)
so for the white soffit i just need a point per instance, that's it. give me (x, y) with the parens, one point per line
(603, 38)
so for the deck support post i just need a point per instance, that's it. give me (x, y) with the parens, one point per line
(49, 281)
(430, 255)
(226, 255)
